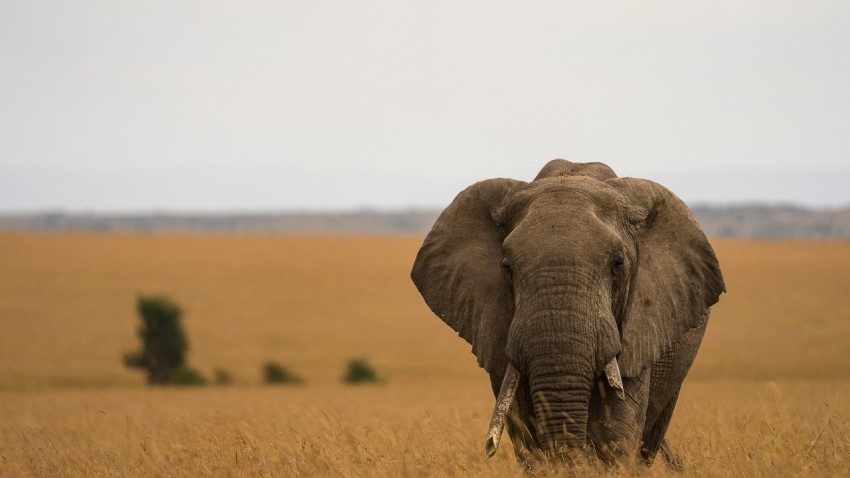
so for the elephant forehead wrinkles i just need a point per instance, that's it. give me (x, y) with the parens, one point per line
(565, 195)
(579, 236)
(597, 190)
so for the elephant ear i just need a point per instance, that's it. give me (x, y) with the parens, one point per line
(677, 278)
(458, 271)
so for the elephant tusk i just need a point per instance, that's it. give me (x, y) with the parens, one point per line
(500, 411)
(615, 380)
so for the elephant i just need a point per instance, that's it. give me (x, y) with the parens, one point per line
(585, 297)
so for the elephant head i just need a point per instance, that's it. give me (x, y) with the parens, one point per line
(559, 282)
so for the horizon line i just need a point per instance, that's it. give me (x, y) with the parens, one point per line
(160, 211)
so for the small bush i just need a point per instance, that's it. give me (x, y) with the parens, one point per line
(164, 342)
(186, 376)
(223, 377)
(359, 371)
(275, 373)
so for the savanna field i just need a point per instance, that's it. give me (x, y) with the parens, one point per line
(769, 394)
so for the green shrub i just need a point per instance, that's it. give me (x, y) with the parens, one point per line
(164, 343)
(223, 377)
(186, 376)
(359, 371)
(274, 373)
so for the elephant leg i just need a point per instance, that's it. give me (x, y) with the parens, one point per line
(668, 373)
(654, 440)
(522, 438)
(673, 460)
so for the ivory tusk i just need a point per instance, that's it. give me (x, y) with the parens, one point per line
(615, 380)
(500, 411)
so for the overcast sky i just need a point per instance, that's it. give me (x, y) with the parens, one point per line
(200, 105)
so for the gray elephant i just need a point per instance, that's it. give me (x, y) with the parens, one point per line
(585, 298)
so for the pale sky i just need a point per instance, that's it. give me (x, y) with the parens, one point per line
(280, 105)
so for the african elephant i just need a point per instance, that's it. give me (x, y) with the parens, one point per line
(585, 298)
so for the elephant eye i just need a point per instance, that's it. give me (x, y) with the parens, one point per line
(506, 265)
(617, 265)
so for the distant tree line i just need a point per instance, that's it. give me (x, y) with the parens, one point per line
(362, 222)
(751, 221)
(773, 222)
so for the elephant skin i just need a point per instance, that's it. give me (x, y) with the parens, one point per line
(562, 279)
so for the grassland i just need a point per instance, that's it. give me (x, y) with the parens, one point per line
(768, 394)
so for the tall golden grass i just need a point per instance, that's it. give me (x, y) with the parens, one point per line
(768, 394)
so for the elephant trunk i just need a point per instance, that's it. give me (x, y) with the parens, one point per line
(563, 354)
(561, 339)
(561, 402)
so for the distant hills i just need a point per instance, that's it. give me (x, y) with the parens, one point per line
(360, 222)
(755, 221)
(751, 221)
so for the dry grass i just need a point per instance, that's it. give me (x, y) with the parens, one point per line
(768, 395)
(721, 429)
(310, 302)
